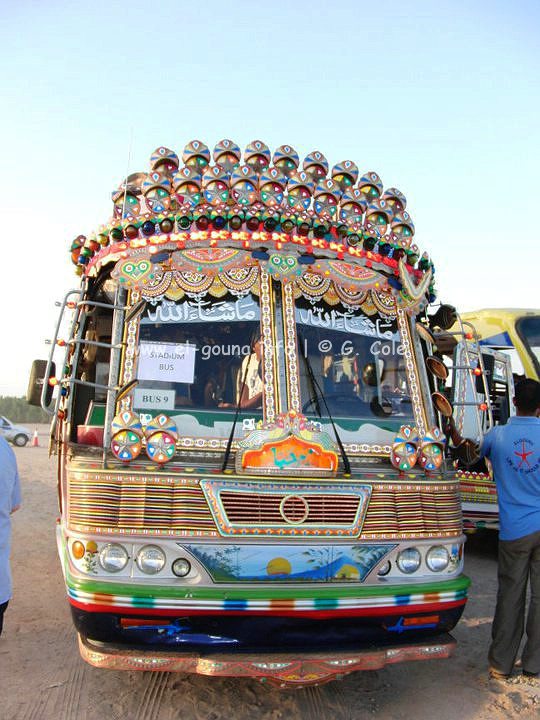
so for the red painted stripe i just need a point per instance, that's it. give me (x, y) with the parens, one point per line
(321, 614)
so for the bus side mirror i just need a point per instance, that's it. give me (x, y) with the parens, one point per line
(35, 383)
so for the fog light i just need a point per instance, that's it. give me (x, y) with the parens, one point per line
(437, 558)
(408, 561)
(113, 558)
(150, 559)
(181, 567)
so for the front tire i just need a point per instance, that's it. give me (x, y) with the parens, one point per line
(20, 440)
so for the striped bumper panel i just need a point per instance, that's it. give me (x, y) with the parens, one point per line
(99, 602)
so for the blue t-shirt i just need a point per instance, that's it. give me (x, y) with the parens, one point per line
(10, 497)
(514, 452)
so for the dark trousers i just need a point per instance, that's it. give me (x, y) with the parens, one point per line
(3, 607)
(519, 563)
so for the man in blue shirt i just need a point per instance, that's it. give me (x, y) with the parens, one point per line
(514, 452)
(10, 500)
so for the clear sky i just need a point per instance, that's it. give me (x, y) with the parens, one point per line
(440, 98)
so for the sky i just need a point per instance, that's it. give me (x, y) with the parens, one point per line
(440, 98)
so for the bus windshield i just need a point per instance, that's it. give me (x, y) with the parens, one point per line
(356, 362)
(198, 359)
(529, 329)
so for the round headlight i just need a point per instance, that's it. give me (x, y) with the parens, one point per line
(408, 561)
(181, 567)
(384, 569)
(437, 558)
(150, 559)
(113, 558)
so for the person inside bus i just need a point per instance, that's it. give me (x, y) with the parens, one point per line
(249, 382)
(219, 385)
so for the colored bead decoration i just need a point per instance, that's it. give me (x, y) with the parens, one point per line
(396, 199)
(156, 190)
(161, 447)
(196, 155)
(404, 448)
(316, 165)
(227, 154)
(286, 160)
(164, 160)
(126, 441)
(126, 445)
(371, 185)
(257, 156)
(161, 422)
(244, 185)
(345, 174)
(126, 420)
(326, 197)
(215, 183)
(431, 450)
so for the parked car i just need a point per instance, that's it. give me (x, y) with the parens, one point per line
(16, 434)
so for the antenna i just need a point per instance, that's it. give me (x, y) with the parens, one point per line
(130, 148)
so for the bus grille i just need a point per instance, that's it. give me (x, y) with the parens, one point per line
(308, 509)
(130, 504)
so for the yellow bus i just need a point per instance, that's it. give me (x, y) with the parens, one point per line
(516, 331)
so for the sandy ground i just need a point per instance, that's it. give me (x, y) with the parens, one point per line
(42, 675)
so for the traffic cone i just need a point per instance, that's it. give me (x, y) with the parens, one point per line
(35, 441)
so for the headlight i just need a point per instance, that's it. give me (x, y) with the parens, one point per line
(437, 558)
(384, 569)
(181, 567)
(408, 561)
(150, 559)
(113, 558)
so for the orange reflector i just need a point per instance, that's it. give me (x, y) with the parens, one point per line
(137, 622)
(77, 550)
(424, 620)
(483, 406)
(477, 371)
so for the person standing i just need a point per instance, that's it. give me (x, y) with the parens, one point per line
(514, 452)
(10, 500)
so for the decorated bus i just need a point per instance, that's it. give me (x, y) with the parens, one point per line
(248, 407)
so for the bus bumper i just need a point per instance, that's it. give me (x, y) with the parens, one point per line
(286, 670)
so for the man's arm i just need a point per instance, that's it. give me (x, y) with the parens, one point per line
(16, 492)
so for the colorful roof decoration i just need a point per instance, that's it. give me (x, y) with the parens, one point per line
(260, 198)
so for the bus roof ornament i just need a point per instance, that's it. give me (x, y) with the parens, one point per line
(253, 199)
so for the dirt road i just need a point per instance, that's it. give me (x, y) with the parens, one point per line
(42, 675)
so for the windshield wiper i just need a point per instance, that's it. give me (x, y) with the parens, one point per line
(236, 413)
(319, 394)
